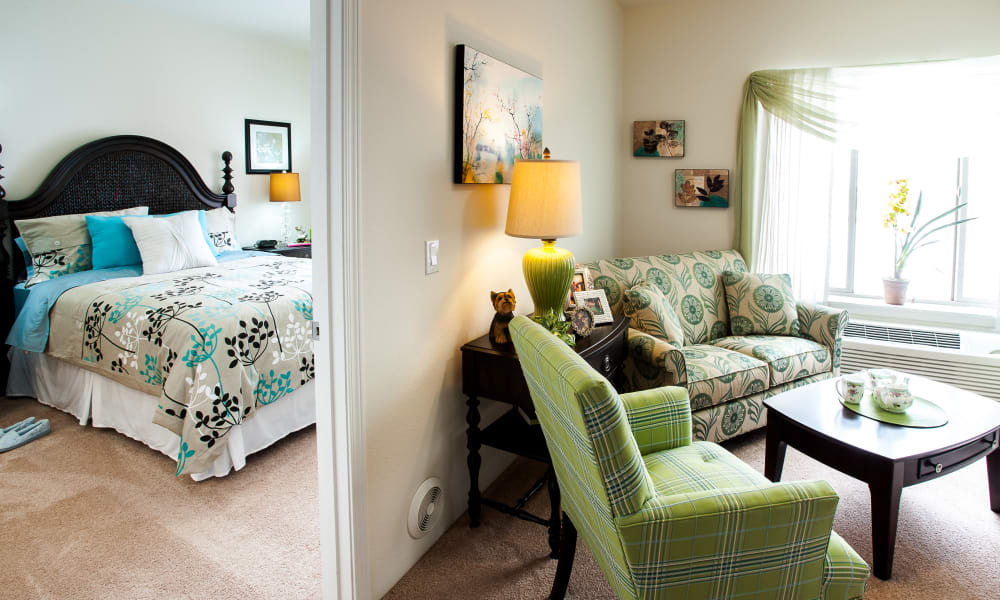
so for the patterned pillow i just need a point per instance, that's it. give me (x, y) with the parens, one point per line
(760, 304)
(650, 312)
(220, 224)
(61, 245)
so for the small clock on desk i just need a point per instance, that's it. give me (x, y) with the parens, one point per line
(282, 249)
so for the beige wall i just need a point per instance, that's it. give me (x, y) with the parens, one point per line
(75, 71)
(688, 59)
(414, 324)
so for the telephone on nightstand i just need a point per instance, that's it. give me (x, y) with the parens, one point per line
(266, 244)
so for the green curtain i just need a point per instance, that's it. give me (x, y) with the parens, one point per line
(836, 104)
(803, 98)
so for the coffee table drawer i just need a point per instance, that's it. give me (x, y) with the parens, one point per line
(934, 465)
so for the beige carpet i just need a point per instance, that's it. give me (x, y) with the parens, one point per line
(89, 513)
(948, 544)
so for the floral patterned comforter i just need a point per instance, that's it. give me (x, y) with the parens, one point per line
(214, 343)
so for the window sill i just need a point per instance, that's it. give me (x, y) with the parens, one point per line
(940, 315)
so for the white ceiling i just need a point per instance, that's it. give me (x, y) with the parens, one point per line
(287, 20)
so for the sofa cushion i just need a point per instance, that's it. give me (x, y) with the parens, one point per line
(788, 358)
(701, 466)
(760, 303)
(692, 283)
(650, 313)
(716, 375)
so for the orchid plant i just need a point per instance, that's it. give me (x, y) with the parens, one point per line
(910, 238)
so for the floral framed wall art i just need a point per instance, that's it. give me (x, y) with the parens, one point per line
(268, 146)
(701, 187)
(498, 117)
(658, 138)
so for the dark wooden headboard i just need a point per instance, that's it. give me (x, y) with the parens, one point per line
(112, 173)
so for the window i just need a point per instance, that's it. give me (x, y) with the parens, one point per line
(959, 266)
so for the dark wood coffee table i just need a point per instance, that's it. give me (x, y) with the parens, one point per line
(886, 457)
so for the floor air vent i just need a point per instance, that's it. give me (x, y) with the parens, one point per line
(900, 335)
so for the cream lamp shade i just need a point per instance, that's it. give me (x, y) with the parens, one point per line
(285, 187)
(545, 200)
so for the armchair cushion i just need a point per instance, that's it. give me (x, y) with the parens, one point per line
(699, 467)
(660, 418)
(787, 358)
(647, 308)
(755, 541)
(715, 375)
(824, 325)
(760, 304)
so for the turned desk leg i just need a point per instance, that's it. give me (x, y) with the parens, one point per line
(473, 460)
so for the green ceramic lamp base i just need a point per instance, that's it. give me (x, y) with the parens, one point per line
(548, 271)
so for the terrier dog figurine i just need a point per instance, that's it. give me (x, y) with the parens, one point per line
(504, 304)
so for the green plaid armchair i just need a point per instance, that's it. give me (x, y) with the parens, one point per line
(666, 517)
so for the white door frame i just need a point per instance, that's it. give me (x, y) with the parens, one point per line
(336, 218)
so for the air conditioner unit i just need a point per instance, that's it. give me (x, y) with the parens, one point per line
(958, 358)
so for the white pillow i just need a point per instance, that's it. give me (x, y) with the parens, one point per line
(220, 224)
(171, 243)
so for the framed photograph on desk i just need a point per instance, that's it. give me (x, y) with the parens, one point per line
(597, 302)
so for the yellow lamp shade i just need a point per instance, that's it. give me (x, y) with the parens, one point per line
(545, 200)
(285, 187)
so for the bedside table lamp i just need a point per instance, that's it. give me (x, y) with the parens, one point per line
(545, 203)
(285, 188)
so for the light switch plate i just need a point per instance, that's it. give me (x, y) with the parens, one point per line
(431, 256)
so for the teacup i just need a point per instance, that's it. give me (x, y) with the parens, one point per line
(880, 377)
(851, 388)
(894, 397)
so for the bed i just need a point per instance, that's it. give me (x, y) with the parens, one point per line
(206, 365)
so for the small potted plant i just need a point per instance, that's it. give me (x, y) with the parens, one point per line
(909, 238)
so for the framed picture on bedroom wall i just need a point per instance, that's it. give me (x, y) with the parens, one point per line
(268, 146)
(498, 117)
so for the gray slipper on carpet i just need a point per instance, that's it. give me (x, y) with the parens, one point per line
(20, 434)
(18, 426)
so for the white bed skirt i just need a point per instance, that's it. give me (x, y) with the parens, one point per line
(106, 403)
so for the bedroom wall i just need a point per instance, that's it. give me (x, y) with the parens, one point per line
(414, 324)
(77, 71)
(689, 59)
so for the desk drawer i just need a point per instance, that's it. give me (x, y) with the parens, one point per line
(608, 357)
(939, 463)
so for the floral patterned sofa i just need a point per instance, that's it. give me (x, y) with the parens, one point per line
(727, 376)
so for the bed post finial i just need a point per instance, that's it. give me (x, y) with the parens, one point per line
(227, 173)
(3, 192)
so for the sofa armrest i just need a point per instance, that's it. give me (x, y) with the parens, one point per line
(657, 362)
(660, 418)
(823, 325)
(691, 544)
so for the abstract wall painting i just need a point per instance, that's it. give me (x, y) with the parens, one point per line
(658, 138)
(701, 187)
(498, 117)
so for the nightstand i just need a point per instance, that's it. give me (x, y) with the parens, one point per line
(493, 372)
(293, 251)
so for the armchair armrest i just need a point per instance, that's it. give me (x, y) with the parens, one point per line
(660, 418)
(653, 362)
(694, 544)
(823, 325)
